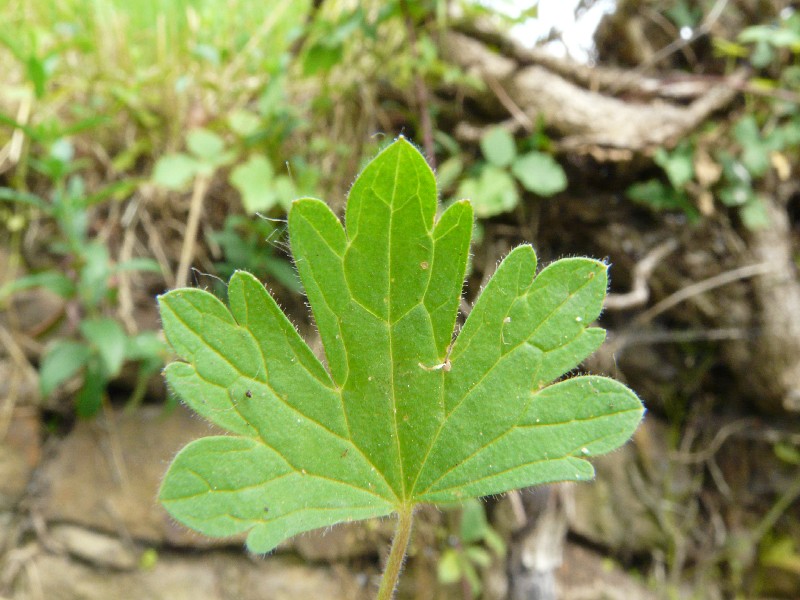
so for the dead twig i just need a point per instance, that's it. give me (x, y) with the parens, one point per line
(19, 559)
(109, 440)
(24, 370)
(583, 121)
(12, 152)
(201, 184)
(640, 291)
(517, 509)
(128, 222)
(782, 504)
(156, 247)
(681, 336)
(724, 432)
(509, 104)
(695, 289)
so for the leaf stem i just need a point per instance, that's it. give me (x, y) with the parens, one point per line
(402, 534)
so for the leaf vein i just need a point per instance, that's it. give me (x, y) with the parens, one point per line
(511, 429)
(220, 355)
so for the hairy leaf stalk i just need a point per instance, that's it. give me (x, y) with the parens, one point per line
(397, 555)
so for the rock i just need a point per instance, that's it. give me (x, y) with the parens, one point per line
(585, 575)
(105, 477)
(536, 551)
(6, 532)
(106, 472)
(495, 581)
(19, 384)
(20, 453)
(344, 541)
(93, 547)
(35, 311)
(212, 575)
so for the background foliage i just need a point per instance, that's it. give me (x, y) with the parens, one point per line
(151, 144)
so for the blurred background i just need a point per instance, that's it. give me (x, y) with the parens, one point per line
(155, 144)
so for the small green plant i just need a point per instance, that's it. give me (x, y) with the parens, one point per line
(678, 166)
(100, 345)
(402, 413)
(494, 190)
(731, 163)
(207, 151)
(729, 174)
(766, 42)
(475, 547)
(252, 175)
(261, 190)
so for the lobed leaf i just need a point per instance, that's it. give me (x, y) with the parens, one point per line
(400, 413)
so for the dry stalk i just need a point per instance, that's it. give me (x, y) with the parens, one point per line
(201, 184)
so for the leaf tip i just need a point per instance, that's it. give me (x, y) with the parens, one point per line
(402, 143)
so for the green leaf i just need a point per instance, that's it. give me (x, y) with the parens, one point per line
(90, 396)
(448, 569)
(37, 75)
(498, 147)
(762, 54)
(492, 194)
(62, 150)
(787, 453)
(540, 173)
(781, 553)
(737, 194)
(255, 181)
(473, 521)
(754, 214)
(780, 37)
(286, 191)
(94, 274)
(22, 197)
(678, 165)
(683, 14)
(175, 171)
(205, 144)
(146, 346)
(207, 52)
(116, 191)
(756, 33)
(755, 149)
(63, 360)
(400, 413)
(478, 556)
(244, 122)
(730, 49)
(660, 196)
(449, 171)
(321, 58)
(137, 264)
(493, 540)
(58, 283)
(470, 574)
(109, 340)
